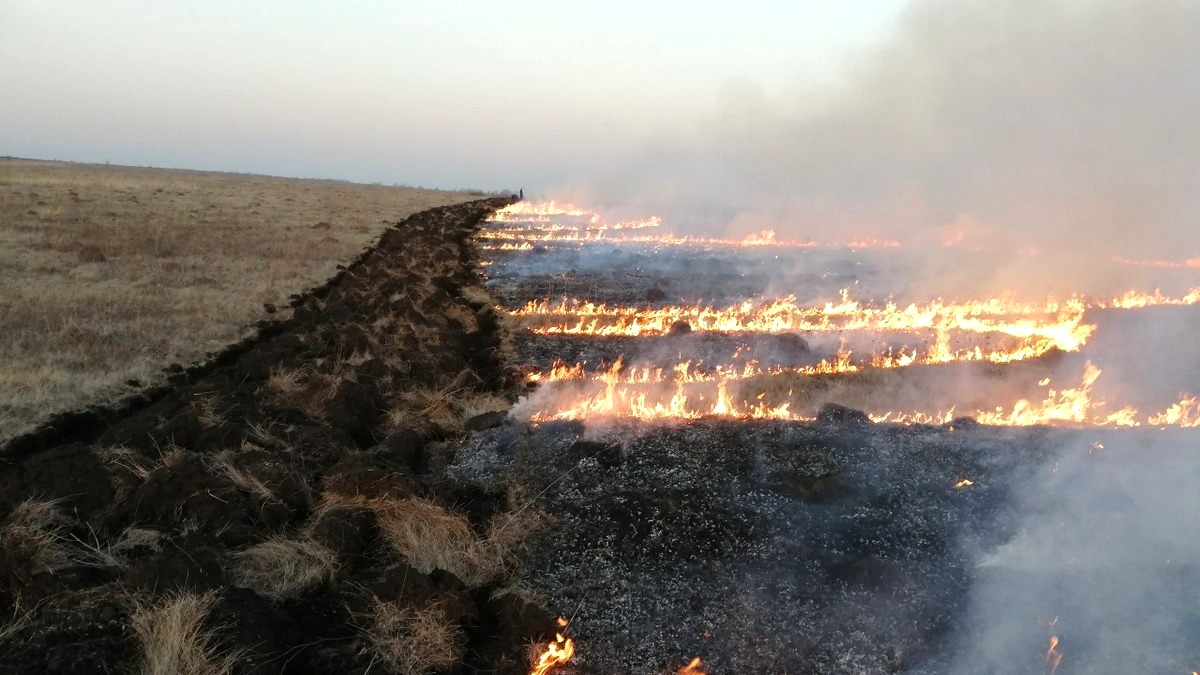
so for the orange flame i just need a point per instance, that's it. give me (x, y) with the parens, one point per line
(966, 482)
(543, 222)
(692, 668)
(1059, 322)
(555, 653)
(692, 394)
(1190, 263)
(1054, 656)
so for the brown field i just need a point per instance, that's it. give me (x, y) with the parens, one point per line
(112, 273)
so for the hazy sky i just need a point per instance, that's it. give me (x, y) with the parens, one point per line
(445, 94)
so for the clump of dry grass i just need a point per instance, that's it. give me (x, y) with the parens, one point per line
(113, 272)
(477, 295)
(283, 568)
(129, 460)
(115, 553)
(447, 407)
(225, 463)
(174, 639)
(20, 619)
(412, 641)
(431, 537)
(35, 532)
(310, 387)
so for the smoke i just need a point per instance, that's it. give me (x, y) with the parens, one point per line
(1058, 132)
(1105, 559)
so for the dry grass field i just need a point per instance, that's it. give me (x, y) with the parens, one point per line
(108, 274)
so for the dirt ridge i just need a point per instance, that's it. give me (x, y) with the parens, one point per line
(291, 487)
(85, 425)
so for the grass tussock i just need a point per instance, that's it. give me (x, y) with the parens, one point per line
(431, 537)
(111, 273)
(412, 641)
(174, 639)
(127, 460)
(35, 533)
(283, 568)
(446, 407)
(225, 463)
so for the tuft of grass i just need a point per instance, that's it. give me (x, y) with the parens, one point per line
(446, 407)
(35, 532)
(412, 641)
(280, 567)
(432, 537)
(20, 619)
(114, 553)
(130, 460)
(224, 463)
(174, 639)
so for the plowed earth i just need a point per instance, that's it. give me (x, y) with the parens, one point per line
(284, 436)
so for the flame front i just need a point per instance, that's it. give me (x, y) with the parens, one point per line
(1052, 324)
(692, 394)
(997, 330)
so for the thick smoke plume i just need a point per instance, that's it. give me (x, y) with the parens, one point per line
(1059, 132)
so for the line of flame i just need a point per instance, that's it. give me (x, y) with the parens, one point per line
(1058, 321)
(610, 397)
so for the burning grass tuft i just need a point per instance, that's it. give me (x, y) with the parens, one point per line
(174, 639)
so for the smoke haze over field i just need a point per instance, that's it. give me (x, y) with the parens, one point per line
(1064, 125)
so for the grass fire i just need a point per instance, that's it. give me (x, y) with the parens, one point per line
(799, 338)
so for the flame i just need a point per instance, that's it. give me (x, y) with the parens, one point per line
(692, 668)
(1190, 263)
(551, 222)
(966, 482)
(1185, 413)
(688, 393)
(1054, 657)
(508, 246)
(1060, 323)
(523, 210)
(555, 653)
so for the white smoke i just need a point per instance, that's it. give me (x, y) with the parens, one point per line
(1063, 128)
(1105, 559)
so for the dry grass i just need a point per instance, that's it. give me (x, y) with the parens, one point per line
(431, 537)
(174, 639)
(111, 273)
(412, 641)
(35, 532)
(283, 568)
(446, 407)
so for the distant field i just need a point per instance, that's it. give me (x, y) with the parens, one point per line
(108, 274)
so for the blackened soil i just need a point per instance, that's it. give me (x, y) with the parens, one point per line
(835, 547)
(166, 489)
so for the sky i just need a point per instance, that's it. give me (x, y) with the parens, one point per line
(491, 95)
